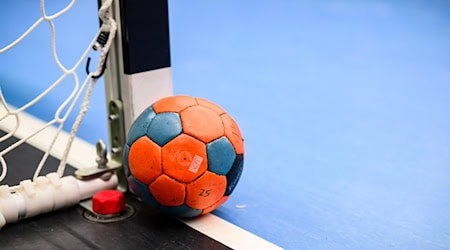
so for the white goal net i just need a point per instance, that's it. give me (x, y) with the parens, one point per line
(39, 194)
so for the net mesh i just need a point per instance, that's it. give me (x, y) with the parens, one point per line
(80, 88)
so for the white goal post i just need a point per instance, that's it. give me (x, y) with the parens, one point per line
(138, 70)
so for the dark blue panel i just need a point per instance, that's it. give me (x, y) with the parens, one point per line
(140, 125)
(234, 174)
(142, 191)
(221, 155)
(126, 167)
(164, 127)
(145, 35)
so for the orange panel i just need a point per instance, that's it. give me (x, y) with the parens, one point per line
(208, 104)
(216, 205)
(144, 160)
(206, 191)
(168, 191)
(173, 104)
(184, 158)
(233, 133)
(202, 123)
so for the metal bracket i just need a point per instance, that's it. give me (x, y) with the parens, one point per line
(117, 140)
(116, 129)
(103, 165)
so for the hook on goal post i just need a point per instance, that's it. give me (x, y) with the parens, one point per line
(103, 41)
(102, 71)
(100, 43)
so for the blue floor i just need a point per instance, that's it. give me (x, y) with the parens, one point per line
(344, 107)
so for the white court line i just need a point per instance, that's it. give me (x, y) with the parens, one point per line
(83, 154)
(227, 233)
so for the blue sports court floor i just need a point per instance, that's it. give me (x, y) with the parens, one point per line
(344, 107)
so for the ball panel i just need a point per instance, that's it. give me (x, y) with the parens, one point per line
(234, 174)
(184, 158)
(221, 156)
(174, 104)
(140, 125)
(181, 211)
(201, 123)
(126, 167)
(208, 104)
(144, 160)
(142, 191)
(206, 190)
(164, 127)
(233, 133)
(216, 205)
(167, 191)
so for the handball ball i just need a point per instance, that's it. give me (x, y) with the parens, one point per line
(184, 155)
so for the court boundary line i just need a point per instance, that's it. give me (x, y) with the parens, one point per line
(210, 225)
(41, 140)
(227, 233)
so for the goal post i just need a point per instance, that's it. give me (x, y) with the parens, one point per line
(138, 70)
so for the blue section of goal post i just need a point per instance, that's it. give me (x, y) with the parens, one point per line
(145, 35)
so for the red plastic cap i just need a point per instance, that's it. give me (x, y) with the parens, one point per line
(108, 202)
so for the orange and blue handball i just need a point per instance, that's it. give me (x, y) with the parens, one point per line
(184, 155)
